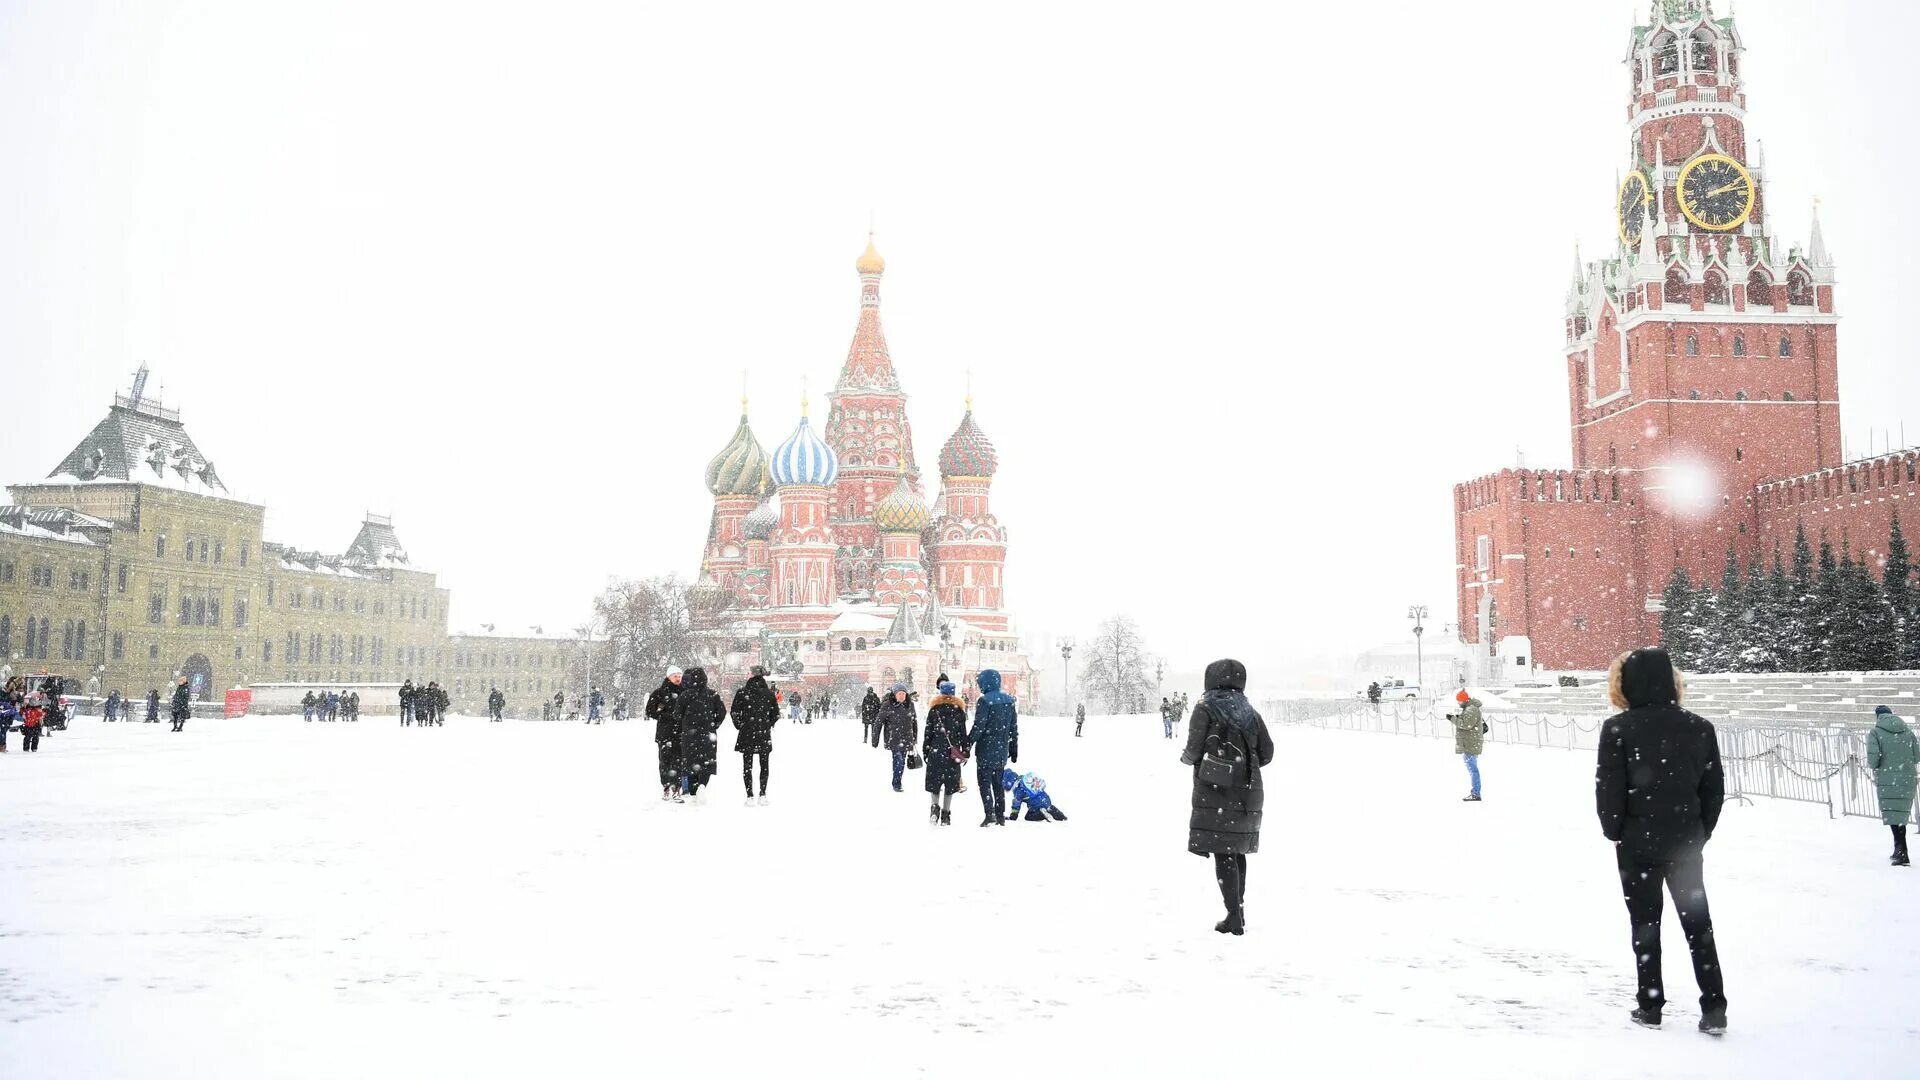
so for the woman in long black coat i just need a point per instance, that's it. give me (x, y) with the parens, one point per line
(1225, 823)
(663, 710)
(945, 749)
(700, 713)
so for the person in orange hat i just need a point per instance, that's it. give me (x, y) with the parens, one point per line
(1469, 737)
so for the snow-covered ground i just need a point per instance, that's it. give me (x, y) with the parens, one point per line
(265, 897)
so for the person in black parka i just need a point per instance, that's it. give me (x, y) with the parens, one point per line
(899, 729)
(1225, 822)
(663, 710)
(870, 718)
(182, 705)
(945, 749)
(1658, 789)
(699, 712)
(754, 713)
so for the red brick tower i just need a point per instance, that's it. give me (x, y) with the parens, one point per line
(868, 430)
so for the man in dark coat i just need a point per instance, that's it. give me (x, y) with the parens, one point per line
(870, 718)
(754, 714)
(496, 704)
(1225, 819)
(699, 713)
(153, 706)
(1658, 790)
(662, 709)
(899, 729)
(945, 750)
(995, 739)
(182, 706)
(406, 703)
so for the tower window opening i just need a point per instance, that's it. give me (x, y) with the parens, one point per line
(1717, 292)
(1693, 395)
(1800, 288)
(1666, 57)
(1677, 286)
(1739, 344)
(1786, 345)
(1759, 289)
(1739, 454)
(1739, 395)
(1705, 56)
(1693, 344)
(1786, 395)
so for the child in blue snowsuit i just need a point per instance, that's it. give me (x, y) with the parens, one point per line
(1031, 790)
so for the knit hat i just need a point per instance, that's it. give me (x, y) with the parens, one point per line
(759, 672)
(946, 687)
(1882, 710)
(1463, 697)
(672, 671)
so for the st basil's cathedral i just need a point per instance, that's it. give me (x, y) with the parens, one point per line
(824, 561)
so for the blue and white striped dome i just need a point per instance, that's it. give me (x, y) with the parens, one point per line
(804, 458)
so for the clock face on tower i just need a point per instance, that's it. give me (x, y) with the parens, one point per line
(1716, 193)
(1635, 196)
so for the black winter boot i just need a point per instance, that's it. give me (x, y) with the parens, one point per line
(1714, 1023)
(1646, 1018)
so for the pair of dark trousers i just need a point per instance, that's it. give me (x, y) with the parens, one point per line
(746, 767)
(993, 797)
(179, 723)
(1231, 872)
(30, 739)
(1640, 883)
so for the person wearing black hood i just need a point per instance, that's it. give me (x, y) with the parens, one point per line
(1658, 790)
(754, 714)
(1227, 745)
(699, 714)
(870, 718)
(662, 709)
(182, 706)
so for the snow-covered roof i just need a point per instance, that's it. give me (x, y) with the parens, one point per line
(139, 442)
(51, 523)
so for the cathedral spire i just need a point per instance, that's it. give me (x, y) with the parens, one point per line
(1817, 241)
(869, 366)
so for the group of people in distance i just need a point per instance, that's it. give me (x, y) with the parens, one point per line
(992, 742)
(425, 704)
(331, 705)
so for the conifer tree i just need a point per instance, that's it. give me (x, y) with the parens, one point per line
(1795, 597)
(1724, 636)
(1676, 619)
(1762, 651)
(1822, 604)
(1861, 637)
(1897, 581)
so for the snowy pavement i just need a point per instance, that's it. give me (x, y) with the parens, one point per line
(265, 897)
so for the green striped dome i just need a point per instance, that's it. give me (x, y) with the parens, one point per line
(740, 468)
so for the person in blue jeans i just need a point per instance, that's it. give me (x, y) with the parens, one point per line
(1469, 738)
(899, 729)
(996, 741)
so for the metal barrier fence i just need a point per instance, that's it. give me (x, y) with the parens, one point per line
(1820, 764)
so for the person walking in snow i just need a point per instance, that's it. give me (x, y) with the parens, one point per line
(899, 729)
(662, 709)
(9, 716)
(1227, 746)
(944, 749)
(1079, 718)
(153, 705)
(995, 738)
(595, 702)
(870, 718)
(496, 705)
(353, 706)
(306, 707)
(1469, 737)
(754, 714)
(699, 714)
(406, 703)
(1658, 791)
(1892, 756)
(182, 704)
(33, 718)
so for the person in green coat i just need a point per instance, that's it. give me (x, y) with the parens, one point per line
(1469, 738)
(1892, 755)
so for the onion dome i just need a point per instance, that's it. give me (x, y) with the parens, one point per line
(759, 524)
(740, 468)
(804, 458)
(870, 261)
(968, 452)
(901, 511)
(707, 594)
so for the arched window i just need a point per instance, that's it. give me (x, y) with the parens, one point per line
(1666, 57)
(1739, 344)
(1759, 289)
(1705, 55)
(1693, 344)
(1786, 345)
(860, 644)
(1799, 288)
(1717, 291)
(1678, 286)
(846, 644)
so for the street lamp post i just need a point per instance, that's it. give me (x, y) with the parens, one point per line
(1418, 613)
(1066, 674)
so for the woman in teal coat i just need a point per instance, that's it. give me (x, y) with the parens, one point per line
(1892, 756)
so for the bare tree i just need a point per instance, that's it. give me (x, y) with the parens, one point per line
(1116, 669)
(648, 627)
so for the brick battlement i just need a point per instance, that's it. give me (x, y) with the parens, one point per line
(1889, 476)
(1547, 485)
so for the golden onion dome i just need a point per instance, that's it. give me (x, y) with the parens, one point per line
(902, 510)
(870, 261)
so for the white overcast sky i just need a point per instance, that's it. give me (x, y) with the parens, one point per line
(1244, 289)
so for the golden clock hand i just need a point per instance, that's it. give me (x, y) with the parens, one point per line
(1722, 191)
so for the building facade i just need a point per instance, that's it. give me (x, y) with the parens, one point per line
(823, 558)
(1702, 388)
